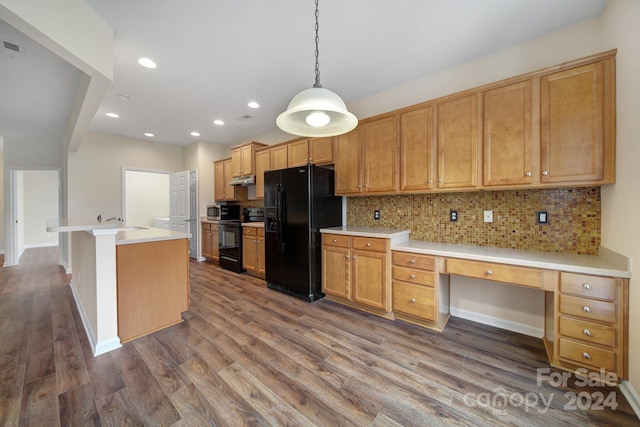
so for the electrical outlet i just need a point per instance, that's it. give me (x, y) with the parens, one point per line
(376, 214)
(488, 216)
(453, 216)
(543, 217)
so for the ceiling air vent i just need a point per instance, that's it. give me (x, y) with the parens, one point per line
(10, 49)
(243, 118)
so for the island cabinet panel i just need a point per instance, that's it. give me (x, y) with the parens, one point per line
(153, 286)
(417, 144)
(508, 126)
(577, 125)
(458, 143)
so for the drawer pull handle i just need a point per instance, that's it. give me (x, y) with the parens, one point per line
(587, 332)
(586, 355)
(586, 309)
(413, 261)
(489, 272)
(586, 286)
(368, 244)
(413, 276)
(413, 300)
(335, 241)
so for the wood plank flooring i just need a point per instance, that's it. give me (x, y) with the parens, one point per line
(247, 355)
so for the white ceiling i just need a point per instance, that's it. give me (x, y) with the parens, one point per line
(214, 56)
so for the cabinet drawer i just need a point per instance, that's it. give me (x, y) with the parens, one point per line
(206, 226)
(413, 275)
(249, 231)
(591, 309)
(585, 354)
(499, 272)
(412, 299)
(588, 331)
(407, 259)
(370, 244)
(335, 240)
(260, 232)
(588, 286)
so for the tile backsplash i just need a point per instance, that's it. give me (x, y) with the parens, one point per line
(574, 218)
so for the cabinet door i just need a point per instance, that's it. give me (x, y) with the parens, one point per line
(298, 153)
(336, 271)
(458, 143)
(220, 185)
(263, 164)
(348, 162)
(260, 268)
(572, 115)
(279, 158)
(206, 243)
(229, 190)
(249, 254)
(370, 279)
(321, 150)
(215, 252)
(416, 150)
(247, 160)
(236, 162)
(508, 129)
(380, 148)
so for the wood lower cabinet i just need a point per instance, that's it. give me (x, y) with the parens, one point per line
(590, 324)
(153, 286)
(253, 251)
(210, 242)
(356, 272)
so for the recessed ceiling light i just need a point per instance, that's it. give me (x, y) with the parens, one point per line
(253, 104)
(112, 115)
(194, 133)
(149, 134)
(147, 63)
(218, 122)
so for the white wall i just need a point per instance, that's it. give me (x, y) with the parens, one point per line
(2, 201)
(146, 197)
(40, 201)
(19, 210)
(95, 171)
(621, 201)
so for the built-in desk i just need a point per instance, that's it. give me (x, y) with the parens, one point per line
(586, 297)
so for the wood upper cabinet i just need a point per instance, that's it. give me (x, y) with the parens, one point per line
(314, 150)
(279, 157)
(417, 143)
(223, 173)
(458, 142)
(577, 124)
(263, 164)
(366, 158)
(242, 159)
(508, 127)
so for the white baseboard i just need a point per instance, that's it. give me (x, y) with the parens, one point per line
(41, 245)
(201, 259)
(632, 396)
(509, 325)
(1, 251)
(98, 348)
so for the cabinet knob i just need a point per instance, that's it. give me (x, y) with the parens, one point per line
(359, 185)
(413, 261)
(366, 186)
(430, 181)
(334, 240)
(586, 286)
(489, 272)
(413, 276)
(368, 244)
(587, 332)
(440, 180)
(310, 159)
(346, 256)
(586, 355)
(545, 173)
(528, 174)
(413, 300)
(586, 309)
(354, 257)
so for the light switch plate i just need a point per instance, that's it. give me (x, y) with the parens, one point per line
(543, 217)
(488, 216)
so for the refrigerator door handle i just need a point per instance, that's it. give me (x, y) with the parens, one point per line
(279, 217)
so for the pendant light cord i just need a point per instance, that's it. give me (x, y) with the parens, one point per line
(317, 83)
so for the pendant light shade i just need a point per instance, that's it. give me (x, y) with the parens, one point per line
(317, 112)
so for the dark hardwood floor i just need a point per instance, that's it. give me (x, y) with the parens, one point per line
(246, 355)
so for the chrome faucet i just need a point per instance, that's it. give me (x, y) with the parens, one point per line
(99, 218)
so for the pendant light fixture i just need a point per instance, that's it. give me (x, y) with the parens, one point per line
(317, 112)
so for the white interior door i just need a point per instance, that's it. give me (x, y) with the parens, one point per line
(179, 201)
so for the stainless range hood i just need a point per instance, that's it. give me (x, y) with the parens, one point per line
(243, 181)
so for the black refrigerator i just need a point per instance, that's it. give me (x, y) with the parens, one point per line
(297, 203)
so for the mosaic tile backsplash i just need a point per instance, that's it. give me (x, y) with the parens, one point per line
(574, 218)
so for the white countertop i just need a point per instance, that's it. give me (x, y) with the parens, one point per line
(607, 263)
(125, 234)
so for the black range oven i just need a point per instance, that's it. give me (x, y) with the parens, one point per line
(230, 245)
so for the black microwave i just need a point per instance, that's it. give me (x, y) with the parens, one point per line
(223, 212)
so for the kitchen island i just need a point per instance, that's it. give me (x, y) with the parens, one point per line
(127, 281)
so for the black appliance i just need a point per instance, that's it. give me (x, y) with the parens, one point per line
(252, 215)
(230, 245)
(297, 203)
(223, 212)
